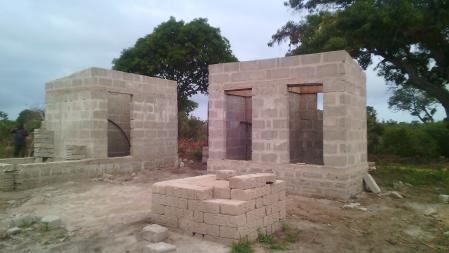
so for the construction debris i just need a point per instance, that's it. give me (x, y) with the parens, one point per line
(371, 184)
(160, 247)
(154, 233)
(444, 198)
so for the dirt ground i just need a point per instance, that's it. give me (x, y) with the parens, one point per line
(106, 215)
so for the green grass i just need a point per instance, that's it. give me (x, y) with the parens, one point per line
(241, 247)
(432, 175)
(26, 225)
(45, 227)
(280, 240)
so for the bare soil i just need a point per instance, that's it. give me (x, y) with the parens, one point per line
(107, 215)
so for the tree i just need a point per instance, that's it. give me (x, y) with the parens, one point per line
(414, 101)
(178, 51)
(3, 116)
(411, 37)
(374, 130)
(31, 118)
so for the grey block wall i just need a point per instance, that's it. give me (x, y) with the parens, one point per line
(77, 110)
(343, 119)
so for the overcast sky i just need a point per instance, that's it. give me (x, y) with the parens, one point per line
(45, 40)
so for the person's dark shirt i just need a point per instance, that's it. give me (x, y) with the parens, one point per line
(20, 135)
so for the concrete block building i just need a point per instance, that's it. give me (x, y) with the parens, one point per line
(99, 121)
(301, 117)
(106, 113)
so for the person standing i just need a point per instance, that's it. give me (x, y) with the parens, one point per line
(20, 135)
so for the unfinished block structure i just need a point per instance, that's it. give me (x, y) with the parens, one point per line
(221, 207)
(97, 121)
(301, 117)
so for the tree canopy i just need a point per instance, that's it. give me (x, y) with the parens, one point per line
(410, 36)
(178, 51)
(31, 118)
(3, 115)
(414, 101)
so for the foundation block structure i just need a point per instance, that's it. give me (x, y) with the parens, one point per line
(226, 209)
(99, 121)
(300, 117)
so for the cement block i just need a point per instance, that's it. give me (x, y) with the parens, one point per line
(222, 193)
(210, 206)
(160, 247)
(371, 184)
(13, 231)
(232, 207)
(22, 220)
(154, 233)
(225, 174)
(251, 180)
(52, 221)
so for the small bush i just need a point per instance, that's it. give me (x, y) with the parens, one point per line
(241, 247)
(271, 241)
(197, 154)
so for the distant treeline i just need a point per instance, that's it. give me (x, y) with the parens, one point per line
(417, 141)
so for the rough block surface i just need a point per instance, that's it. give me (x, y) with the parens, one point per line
(160, 247)
(154, 233)
(371, 184)
(227, 214)
(52, 221)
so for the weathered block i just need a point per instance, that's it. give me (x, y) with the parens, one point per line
(251, 180)
(154, 233)
(160, 247)
(225, 174)
(52, 221)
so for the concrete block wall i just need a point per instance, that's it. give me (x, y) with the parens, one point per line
(77, 112)
(27, 174)
(7, 175)
(74, 152)
(343, 118)
(21, 160)
(40, 174)
(43, 143)
(302, 179)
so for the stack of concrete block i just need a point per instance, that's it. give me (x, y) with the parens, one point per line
(8, 173)
(43, 143)
(227, 209)
(75, 152)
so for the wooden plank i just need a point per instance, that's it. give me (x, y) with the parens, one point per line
(240, 93)
(306, 89)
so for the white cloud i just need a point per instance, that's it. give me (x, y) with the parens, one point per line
(44, 40)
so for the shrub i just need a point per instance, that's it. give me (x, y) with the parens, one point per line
(439, 132)
(197, 154)
(191, 127)
(272, 242)
(241, 247)
(408, 140)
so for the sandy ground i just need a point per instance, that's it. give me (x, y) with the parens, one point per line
(107, 216)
